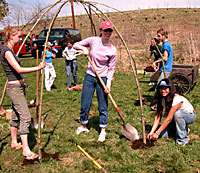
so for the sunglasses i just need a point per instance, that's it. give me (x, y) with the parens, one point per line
(108, 30)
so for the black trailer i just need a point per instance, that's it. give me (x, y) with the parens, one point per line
(184, 77)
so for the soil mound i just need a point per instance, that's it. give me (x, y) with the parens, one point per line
(138, 144)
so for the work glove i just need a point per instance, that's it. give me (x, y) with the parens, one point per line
(108, 85)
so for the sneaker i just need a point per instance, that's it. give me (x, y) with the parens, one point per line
(183, 144)
(81, 129)
(186, 143)
(102, 136)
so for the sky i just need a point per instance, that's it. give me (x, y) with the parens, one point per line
(122, 5)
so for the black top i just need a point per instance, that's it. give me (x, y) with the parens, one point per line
(155, 51)
(11, 73)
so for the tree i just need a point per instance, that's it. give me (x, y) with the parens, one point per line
(3, 9)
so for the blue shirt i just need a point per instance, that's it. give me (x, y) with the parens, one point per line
(49, 57)
(168, 64)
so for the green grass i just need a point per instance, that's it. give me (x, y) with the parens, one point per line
(61, 108)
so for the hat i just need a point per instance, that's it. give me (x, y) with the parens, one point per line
(163, 83)
(49, 44)
(106, 24)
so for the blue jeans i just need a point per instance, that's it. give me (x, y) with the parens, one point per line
(71, 66)
(178, 127)
(89, 85)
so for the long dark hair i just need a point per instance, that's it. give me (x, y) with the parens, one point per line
(168, 99)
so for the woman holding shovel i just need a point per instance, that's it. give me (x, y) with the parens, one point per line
(179, 113)
(16, 92)
(103, 56)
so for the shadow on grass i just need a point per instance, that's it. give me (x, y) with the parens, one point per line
(94, 123)
(147, 100)
(52, 132)
(46, 114)
(148, 128)
(1, 149)
(53, 87)
(5, 137)
(2, 146)
(31, 137)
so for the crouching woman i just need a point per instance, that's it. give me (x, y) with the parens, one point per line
(179, 113)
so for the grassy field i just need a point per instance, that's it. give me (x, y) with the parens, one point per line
(61, 109)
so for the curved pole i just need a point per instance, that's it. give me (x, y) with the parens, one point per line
(34, 17)
(36, 24)
(42, 82)
(133, 65)
(92, 23)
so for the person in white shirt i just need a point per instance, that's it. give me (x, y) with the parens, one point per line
(71, 63)
(179, 113)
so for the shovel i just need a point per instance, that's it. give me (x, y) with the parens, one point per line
(128, 131)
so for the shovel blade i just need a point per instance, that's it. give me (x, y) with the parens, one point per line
(34, 123)
(130, 132)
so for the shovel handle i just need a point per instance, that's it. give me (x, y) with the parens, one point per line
(89, 157)
(106, 89)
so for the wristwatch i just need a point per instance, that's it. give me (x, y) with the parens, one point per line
(156, 133)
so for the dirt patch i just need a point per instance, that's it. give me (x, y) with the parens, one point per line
(44, 156)
(139, 144)
(48, 156)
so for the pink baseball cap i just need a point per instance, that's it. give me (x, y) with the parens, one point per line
(106, 24)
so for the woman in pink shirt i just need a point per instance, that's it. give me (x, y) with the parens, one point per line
(103, 55)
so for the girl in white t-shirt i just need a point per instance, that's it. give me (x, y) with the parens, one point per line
(179, 113)
(71, 63)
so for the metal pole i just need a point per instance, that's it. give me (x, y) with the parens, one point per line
(73, 18)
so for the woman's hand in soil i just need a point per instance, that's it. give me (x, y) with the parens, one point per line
(149, 136)
(154, 136)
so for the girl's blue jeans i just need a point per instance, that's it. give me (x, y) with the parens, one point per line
(71, 67)
(89, 85)
(178, 127)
